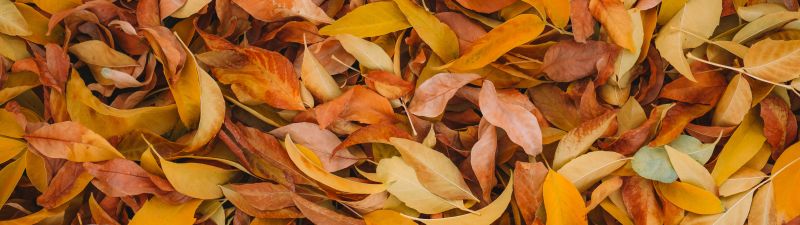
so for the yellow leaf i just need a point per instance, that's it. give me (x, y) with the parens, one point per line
(514, 32)
(562, 201)
(322, 176)
(764, 24)
(11, 20)
(10, 175)
(196, 180)
(387, 217)
(36, 217)
(87, 110)
(435, 170)
(486, 215)
(9, 126)
(37, 23)
(762, 209)
(585, 170)
(13, 48)
(615, 212)
(616, 20)
(578, 140)
(734, 103)
(786, 175)
(207, 106)
(668, 10)
(741, 147)
(700, 17)
(318, 81)
(689, 170)
(752, 12)
(36, 171)
(190, 8)
(690, 197)
(743, 180)
(557, 11)
(369, 20)
(157, 211)
(72, 141)
(436, 34)
(10, 148)
(100, 54)
(404, 184)
(368, 54)
(99, 215)
(771, 60)
(18, 83)
(53, 7)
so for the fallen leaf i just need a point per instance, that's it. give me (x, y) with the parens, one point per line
(521, 126)
(563, 201)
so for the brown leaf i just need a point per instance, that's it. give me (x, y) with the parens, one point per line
(388, 84)
(707, 88)
(630, 141)
(321, 215)
(568, 61)
(322, 142)
(556, 106)
(67, 183)
(466, 30)
(520, 124)
(708, 133)
(275, 10)
(582, 20)
(357, 104)
(431, 97)
(262, 196)
(482, 158)
(121, 177)
(676, 120)
(780, 124)
(529, 178)
(263, 149)
(380, 132)
(640, 200)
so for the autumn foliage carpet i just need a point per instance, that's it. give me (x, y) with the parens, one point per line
(399, 112)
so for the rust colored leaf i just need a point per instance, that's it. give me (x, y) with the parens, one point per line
(569, 60)
(529, 178)
(357, 104)
(780, 124)
(520, 124)
(707, 89)
(676, 120)
(640, 201)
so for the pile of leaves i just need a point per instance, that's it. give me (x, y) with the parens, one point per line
(333, 112)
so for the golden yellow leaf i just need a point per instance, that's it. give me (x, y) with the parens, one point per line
(87, 110)
(197, 180)
(485, 215)
(387, 217)
(316, 172)
(616, 20)
(11, 22)
(689, 197)
(157, 211)
(562, 201)
(700, 17)
(436, 34)
(585, 170)
(368, 54)
(741, 147)
(13, 48)
(37, 24)
(557, 11)
(771, 60)
(689, 170)
(10, 175)
(786, 174)
(374, 19)
(512, 33)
